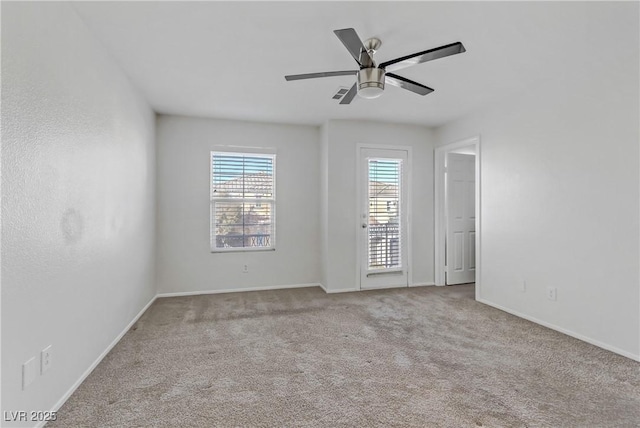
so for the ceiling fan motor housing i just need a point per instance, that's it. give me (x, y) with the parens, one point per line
(371, 82)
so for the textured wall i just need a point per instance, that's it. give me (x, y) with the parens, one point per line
(560, 190)
(185, 263)
(78, 204)
(341, 227)
(323, 196)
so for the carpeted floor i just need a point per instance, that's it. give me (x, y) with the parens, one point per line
(428, 356)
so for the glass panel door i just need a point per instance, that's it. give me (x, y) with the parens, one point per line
(383, 224)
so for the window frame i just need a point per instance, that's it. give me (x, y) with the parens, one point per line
(255, 200)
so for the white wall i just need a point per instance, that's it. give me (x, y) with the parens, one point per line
(323, 201)
(560, 192)
(78, 204)
(341, 226)
(185, 263)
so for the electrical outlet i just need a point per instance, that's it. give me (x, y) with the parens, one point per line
(552, 293)
(29, 372)
(245, 268)
(523, 286)
(46, 359)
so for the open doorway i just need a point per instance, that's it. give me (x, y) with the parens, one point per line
(457, 232)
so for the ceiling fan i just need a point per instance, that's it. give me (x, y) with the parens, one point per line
(372, 77)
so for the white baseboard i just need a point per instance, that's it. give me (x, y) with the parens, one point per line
(564, 331)
(342, 290)
(87, 372)
(238, 290)
(351, 290)
(424, 284)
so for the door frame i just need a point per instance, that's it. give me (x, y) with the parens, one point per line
(358, 220)
(440, 219)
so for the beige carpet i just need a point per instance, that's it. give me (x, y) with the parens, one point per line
(406, 357)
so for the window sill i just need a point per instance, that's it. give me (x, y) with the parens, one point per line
(241, 249)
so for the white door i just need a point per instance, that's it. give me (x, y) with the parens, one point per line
(383, 218)
(460, 211)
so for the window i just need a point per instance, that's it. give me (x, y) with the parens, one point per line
(242, 201)
(384, 213)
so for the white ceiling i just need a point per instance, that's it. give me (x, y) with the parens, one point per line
(227, 60)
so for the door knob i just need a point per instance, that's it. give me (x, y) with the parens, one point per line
(364, 225)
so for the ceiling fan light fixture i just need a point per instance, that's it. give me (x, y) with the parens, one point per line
(371, 82)
(370, 92)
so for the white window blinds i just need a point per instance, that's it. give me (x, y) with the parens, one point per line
(242, 201)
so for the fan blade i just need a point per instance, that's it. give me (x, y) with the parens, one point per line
(323, 74)
(352, 42)
(407, 84)
(417, 58)
(348, 97)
